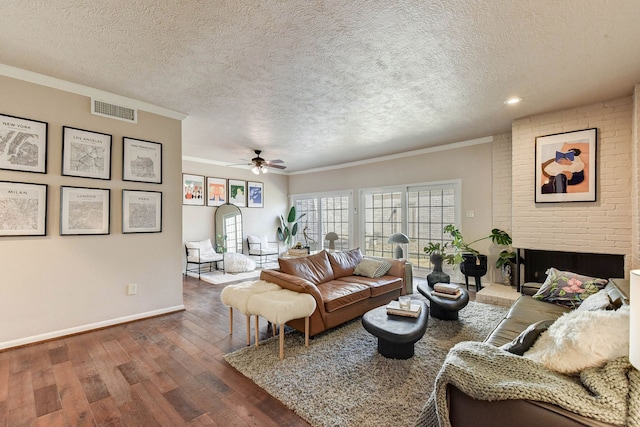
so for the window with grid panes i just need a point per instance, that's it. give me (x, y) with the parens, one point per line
(421, 212)
(325, 213)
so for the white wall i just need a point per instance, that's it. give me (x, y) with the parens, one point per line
(603, 226)
(55, 285)
(198, 221)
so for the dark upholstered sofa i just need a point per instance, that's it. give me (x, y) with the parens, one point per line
(340, 295)
(467, 411)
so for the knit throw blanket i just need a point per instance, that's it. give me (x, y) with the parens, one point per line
(609, 394)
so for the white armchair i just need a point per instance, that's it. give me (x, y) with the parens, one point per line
(201, 253)
(262, 248)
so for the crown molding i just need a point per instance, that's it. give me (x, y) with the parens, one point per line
(52, 82)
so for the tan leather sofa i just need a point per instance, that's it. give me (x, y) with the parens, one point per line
(467, 411)
(340, 295)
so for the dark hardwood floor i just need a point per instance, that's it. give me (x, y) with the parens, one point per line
(166, 371)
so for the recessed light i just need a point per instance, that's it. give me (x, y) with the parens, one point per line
(512, 101)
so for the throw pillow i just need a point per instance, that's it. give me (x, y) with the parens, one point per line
(583, 339)
(597, 301)
(372, 268)
(527, 338)
(567, 288)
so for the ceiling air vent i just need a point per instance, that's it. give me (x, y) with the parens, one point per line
(106, 109)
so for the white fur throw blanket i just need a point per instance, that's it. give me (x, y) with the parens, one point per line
(609, 394)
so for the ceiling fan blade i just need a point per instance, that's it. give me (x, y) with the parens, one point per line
(275, 166)
(275, 161)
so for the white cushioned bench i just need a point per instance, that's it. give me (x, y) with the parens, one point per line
(237, 296)
(278, 307)
(268, 300)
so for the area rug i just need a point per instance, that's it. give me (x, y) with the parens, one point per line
(341, 380)
(220, 277)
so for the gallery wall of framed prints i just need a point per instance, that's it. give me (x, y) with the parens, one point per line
(198, 190)
(85, 153)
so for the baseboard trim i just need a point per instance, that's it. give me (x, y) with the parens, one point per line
(89, 327)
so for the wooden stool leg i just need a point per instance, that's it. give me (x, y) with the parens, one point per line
(273, 328)
(306, 331)
(281, 341)
(248, 329)
(257, 328)
(230, 320)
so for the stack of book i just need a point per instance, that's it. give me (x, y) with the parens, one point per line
(394, 308)
(446, 290)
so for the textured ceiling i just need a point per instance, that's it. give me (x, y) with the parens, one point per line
(318, 83)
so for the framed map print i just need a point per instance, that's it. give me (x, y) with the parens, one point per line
(23, 144)
(255, 194)
(84, 210)
(238, 193)
(86, 154)
(216, 191)
(23, 209)
(193, 189)
(141, 161)
(141, 211)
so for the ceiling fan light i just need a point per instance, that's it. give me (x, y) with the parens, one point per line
(255, 170)
(263, 169)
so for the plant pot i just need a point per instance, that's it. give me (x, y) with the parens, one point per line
(437, 275)
(473, 266)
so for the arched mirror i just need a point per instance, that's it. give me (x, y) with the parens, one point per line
(229, 228)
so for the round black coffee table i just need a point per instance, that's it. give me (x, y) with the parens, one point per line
(396, 334)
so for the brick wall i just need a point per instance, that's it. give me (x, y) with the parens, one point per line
(603, 226)
(501, 181)
(635, 187)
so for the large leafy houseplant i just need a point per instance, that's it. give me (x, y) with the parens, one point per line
(289, 227)
(497, 236)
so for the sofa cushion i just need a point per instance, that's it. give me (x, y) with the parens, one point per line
(527, 338)
(343, 263)
(315, 268)
(598, 301)
(372, 268)
(583, 339)
(337, 294)
(379, 286)
(567, 288)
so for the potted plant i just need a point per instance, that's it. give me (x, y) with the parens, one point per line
(472, 262)
(289, 228)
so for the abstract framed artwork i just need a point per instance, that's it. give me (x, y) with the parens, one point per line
(86, 154)
(141, 161)
(84, 210)
(192, 189)
(141, 211)
(23, 209)
(23, 144)
(565, 167)
(238, 193)
(216, 191)
(255, 194)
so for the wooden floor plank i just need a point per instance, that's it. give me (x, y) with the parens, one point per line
(47, 400)
(163, 371)
(72, 396)
(165, 413)
(94, 388)
(106, 413)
